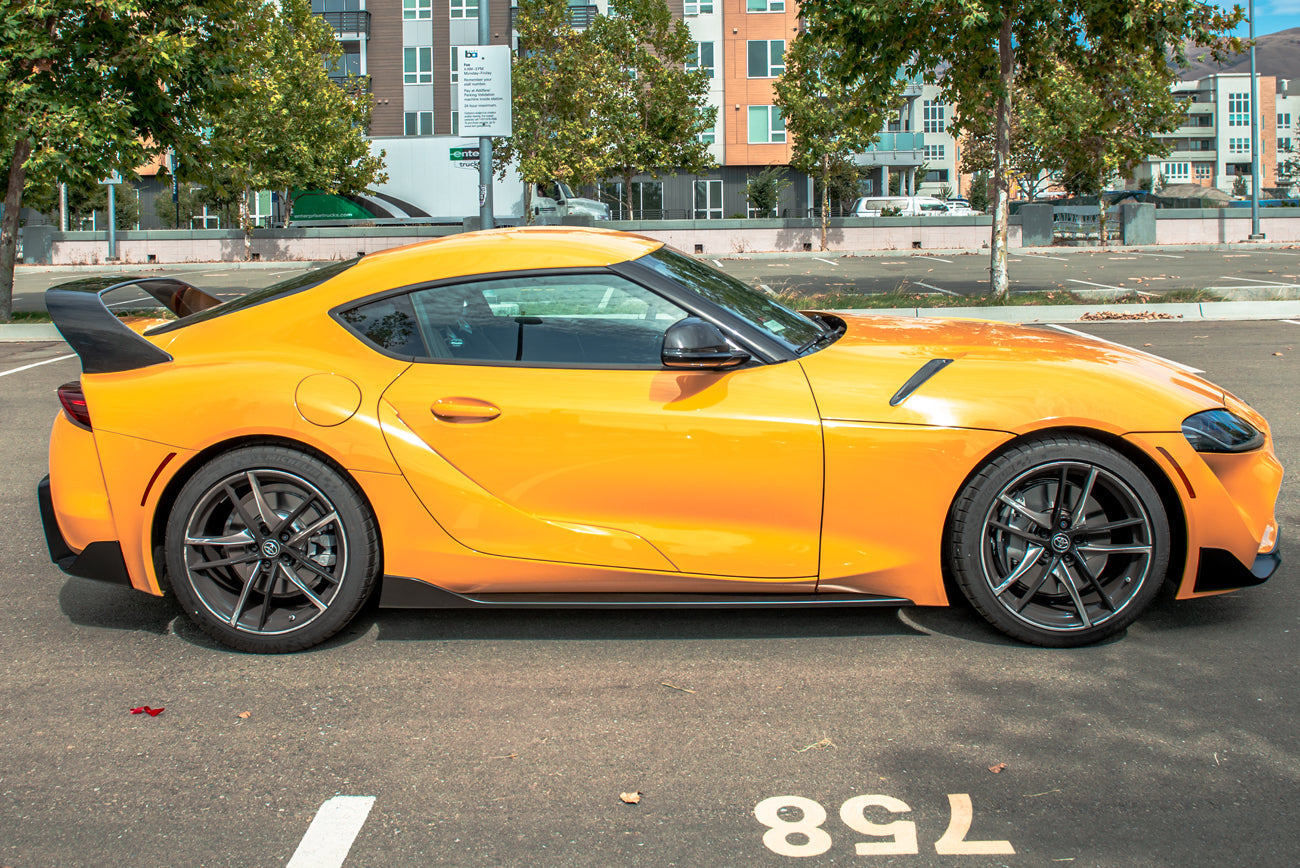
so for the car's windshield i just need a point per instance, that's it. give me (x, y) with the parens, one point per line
(565, 190)
(787, 326)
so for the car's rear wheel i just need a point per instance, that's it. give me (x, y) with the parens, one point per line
(1059, 541)
(271, 550)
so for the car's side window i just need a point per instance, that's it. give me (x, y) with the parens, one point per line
(388, 324)
(580, 319)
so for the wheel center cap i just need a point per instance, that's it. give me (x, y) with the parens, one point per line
(271, 549)
(1060, 543)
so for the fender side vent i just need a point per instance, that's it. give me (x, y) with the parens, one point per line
(926, 371)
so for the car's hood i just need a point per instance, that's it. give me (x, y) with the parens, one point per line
(1003, 377)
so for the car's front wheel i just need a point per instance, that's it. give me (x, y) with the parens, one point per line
(270, 550)
(1059, 541)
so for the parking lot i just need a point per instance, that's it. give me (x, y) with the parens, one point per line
(505, 738)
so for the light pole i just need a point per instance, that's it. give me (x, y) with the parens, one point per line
(485, 218)
(1255, 177)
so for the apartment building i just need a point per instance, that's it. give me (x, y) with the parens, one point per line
(402, 49)
(1212, 147)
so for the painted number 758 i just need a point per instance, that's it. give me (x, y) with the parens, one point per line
(853, 813)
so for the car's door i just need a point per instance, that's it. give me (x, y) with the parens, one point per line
(543, 425)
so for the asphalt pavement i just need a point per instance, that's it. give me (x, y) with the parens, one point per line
(506, 738)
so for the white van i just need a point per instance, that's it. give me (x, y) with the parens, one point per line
(906, 206)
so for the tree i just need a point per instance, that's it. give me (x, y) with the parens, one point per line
(90, 88)
(289, 127)
(1239, 188)
(829, 118)
(652, 109)
(557, 135)
(979, 50)
(763, 191)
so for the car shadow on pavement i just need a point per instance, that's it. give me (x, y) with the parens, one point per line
(630, 624)
(88, 603)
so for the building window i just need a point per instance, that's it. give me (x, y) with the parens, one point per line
(936, 176)
(412, 9)
(1175, 171)
(710, 136)
(703, 59)
(417, 65)
(464, 8)
(455, 64)
(766, 58)
(932, 115)
(708, 200)
(1284, 121)
(765, 6)
(419, 124)
(1238, 109)
(647, 200)
(1238, 146)
(933, 152)
(1204, 170)
(1283, 145)
(697, 7)
(766, 125)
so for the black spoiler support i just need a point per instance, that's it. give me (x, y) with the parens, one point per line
(105, 343)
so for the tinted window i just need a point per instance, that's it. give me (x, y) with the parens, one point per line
(579, 319)
(389, 324)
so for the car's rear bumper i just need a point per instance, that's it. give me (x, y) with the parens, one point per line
(101, 560)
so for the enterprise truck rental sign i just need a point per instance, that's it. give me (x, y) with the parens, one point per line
(485, 90)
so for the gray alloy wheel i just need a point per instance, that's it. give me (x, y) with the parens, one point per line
(270, 550)
(1059, 541)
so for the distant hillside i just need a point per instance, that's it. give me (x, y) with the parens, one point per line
(1277, 54)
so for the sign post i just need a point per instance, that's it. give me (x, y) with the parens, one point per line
(485, 104)
(112, 181)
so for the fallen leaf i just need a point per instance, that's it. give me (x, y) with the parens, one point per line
(144, 709)
(1277, 354)
(1146, 345)
(244, 715)
(507, 756)
(817, 745)
(633, 798)
(998, 769)
(675, 687)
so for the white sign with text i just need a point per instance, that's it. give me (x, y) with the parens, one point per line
(485, 90)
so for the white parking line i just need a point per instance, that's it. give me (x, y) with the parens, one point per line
(1160, 255)
(37, 364)
(827, 261)
(331, 833)
(1098, 285)
(1260, 282)
(936, 288)
(1291, 321)
(717, 263)
(1188, 368)
(935, 258)
(1042, 256)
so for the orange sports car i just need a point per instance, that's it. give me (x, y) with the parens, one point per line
(563, 417)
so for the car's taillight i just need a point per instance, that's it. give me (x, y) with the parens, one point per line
(74, 402)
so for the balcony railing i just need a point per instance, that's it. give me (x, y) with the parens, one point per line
(359, 84)
(580, 17)
(348, 22)
(899, 142)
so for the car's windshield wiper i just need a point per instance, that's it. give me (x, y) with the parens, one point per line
(826, 336)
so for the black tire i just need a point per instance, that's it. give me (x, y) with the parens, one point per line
(270, 550)
(1059, 541)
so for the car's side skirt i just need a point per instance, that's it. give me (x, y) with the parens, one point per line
(400, 592)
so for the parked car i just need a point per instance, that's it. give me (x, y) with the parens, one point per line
(558, 200)
(900, 206)
(562, 417)
(960, 208)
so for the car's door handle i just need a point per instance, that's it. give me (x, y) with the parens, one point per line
(464, 410)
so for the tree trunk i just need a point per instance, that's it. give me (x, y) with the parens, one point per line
(627, 193)
(288, 206)
(826, 177)
(9, 225)
(1101, 219)
(245, 225)
(999, 283)
(528, 203)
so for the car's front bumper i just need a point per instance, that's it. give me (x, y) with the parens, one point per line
(101, 560)
(1221, 571)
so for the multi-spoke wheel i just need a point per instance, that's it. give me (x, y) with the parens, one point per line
(271, 550)
(1060, 541)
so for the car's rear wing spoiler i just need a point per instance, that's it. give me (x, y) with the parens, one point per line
(104, 342)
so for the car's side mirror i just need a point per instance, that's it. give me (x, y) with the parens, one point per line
(694, 343)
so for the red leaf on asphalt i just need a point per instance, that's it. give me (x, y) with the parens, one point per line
(144, 709)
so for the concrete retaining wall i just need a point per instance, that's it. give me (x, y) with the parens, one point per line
(44, 245)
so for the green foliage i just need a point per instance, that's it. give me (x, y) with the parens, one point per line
(982, 52)
(287, 127)
(895, 184)
(978, 194)
(614, 99)
(191, 200)
(1239, 188)
(89, 88)
(763, 191)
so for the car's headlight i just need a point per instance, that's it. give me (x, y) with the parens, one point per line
(1221, 431)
